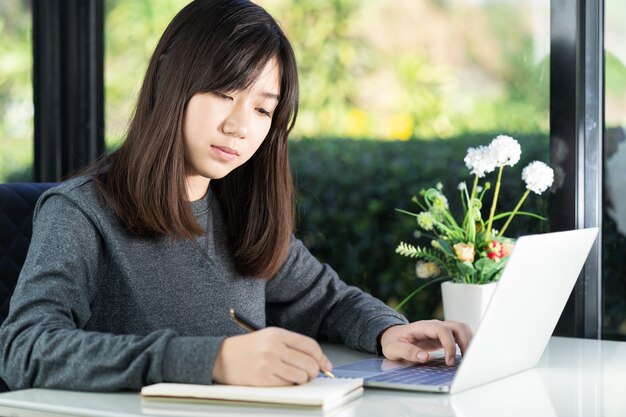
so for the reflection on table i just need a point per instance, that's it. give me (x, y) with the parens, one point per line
(575, 377)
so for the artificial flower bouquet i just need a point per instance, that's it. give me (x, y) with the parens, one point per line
(470, 250)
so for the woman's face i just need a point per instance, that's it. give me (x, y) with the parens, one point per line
(222, 130)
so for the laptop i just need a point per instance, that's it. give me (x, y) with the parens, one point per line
(515, 329)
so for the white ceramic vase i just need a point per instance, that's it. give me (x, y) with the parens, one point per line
(466, 302)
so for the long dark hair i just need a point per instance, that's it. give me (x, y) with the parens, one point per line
(211, 45)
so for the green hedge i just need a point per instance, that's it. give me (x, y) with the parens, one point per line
(348, 190)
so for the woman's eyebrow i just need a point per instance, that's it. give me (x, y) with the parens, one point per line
(271, 95)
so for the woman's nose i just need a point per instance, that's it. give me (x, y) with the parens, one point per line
(236, 124)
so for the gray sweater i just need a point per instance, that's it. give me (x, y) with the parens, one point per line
(97, 308)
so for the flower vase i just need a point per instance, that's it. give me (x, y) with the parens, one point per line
(466, 303)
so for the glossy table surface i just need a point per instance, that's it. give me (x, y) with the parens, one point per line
(575, 377)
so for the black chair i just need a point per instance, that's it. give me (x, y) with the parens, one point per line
(17, 202)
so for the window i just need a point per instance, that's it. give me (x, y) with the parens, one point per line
(132, 30)
(614, 225)
(16, 95)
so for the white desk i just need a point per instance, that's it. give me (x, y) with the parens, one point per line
(575, 377)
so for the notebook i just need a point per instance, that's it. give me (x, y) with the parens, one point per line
(320, 392)
(515, 329)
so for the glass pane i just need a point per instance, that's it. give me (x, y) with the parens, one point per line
(16, 92)
(392, 94)
(132, 30)
(614, 226)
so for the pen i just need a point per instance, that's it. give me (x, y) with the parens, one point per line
(251, 327)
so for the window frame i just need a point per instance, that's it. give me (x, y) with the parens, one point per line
(576, 147)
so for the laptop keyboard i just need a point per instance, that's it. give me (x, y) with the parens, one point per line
(435, 372)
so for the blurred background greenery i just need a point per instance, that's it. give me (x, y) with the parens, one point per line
(369, 71)
(16, 93)
(392, 94)
(388, 70)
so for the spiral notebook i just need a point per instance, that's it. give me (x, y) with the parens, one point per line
(320, 392)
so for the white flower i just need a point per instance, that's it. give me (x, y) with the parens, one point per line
(439, 186)
(440, 204)
(462, 186)
(480, 161)
(426, 270)
(426, 220)
(538, 176)
(505, 150)
(479, 189)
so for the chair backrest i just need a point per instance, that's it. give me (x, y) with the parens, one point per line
(17, 202)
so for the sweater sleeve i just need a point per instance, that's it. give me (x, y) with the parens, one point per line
(43, 342)
(308, 297)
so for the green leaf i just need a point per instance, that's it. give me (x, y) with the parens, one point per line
(406, 249)
(488, 269)
(406, 212)
(465, 268)
(411, 251)
(445, 246)
(485, 267)
(420, 288)
(523, 213)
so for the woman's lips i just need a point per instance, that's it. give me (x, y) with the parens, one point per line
(224, 152)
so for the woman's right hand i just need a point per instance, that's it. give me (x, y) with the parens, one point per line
(269, 357)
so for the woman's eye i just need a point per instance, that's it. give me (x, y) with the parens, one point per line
(264, 112)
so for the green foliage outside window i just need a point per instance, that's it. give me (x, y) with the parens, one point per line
(379, 69)
(403, 69)
(16, 94)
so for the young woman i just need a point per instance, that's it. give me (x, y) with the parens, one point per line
(134, 265)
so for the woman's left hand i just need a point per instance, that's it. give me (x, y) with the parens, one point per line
(412, 342)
